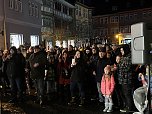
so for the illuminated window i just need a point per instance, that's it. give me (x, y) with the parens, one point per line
(16, 39)
(34, 40)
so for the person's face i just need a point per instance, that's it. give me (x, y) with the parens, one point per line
(30, 49)
(94, 51)
(118, 59)
(106, 71)
(65, 55)
(77, 54)
(36, 50)
(122, 51)
(108, 55)
(114, 47)
(59, 59)
(12, 51)
(70, 48)
(102, 54)
(87, 51)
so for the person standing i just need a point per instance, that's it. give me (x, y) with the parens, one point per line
(125, 78)
(78, 78)
(107, 88)
(37, 66)
(102, 62)
(15, 65)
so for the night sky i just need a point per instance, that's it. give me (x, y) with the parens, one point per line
(105, 6)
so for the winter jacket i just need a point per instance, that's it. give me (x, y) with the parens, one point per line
(125, 70)
(107, 85)
(93, 61)
(1, 66)
(79, 71)
(15, 66)
(101, 64)
(40, 58)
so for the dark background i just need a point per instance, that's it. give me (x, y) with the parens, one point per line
(112, 6)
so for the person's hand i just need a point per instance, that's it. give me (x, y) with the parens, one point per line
(36, 65)
(94, 73)
(26, 70)
(8, 57)
(109, 96)
(140, 74)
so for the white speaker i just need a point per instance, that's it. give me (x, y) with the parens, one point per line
(141, 43)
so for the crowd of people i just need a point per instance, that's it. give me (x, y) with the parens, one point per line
(72, 75)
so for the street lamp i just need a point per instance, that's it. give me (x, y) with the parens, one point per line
(119, 38)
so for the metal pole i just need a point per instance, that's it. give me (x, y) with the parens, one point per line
(148, 94)
(4, 25)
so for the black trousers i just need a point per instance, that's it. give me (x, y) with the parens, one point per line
(126, 96)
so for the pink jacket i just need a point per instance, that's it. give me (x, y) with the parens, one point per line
(107, 85)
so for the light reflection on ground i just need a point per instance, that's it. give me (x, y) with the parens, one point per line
(9, 107)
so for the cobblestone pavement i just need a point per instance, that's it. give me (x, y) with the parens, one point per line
(54, 107)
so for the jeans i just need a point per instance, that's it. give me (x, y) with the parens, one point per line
(108, 100)
(39, 85)
(101, 99)
(51, 86)
(80, 86)
(16, 84)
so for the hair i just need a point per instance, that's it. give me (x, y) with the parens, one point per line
(14, 49)
(108, 67)
(1, 51)
(126, 49)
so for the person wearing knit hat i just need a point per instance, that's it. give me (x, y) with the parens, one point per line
(102, 49)
(107, 88)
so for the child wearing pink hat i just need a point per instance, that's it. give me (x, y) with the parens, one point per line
(107, 88)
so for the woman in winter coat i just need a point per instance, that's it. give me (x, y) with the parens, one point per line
(63, 72)
(78, 77)
(125, 78)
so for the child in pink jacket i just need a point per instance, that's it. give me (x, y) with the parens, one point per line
(107, 88)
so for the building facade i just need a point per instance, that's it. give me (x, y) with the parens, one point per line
(83, 23)
(21, 22)
(58, 18)
(106, 27)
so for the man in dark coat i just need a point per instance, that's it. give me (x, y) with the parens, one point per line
(37, 66)
(102, 62)
(15, 72)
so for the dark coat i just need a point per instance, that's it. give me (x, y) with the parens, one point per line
(15, 66)
(101, 64)
(125, 70)
(79, 71)
(38, 72)
(1, 66)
